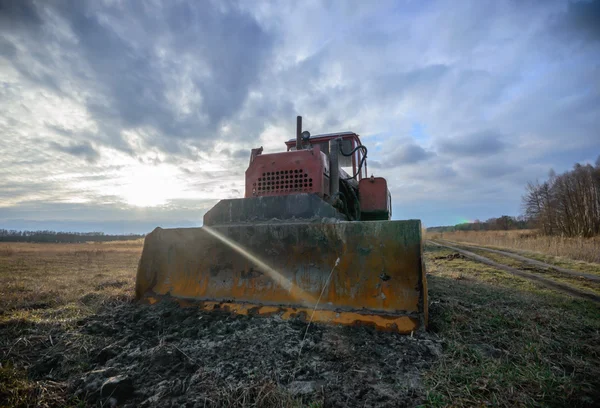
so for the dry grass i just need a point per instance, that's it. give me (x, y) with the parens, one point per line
(583, 249)
(509, 342)
(44, 286)
(38, 276)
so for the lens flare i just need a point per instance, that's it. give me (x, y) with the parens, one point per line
(305, 298)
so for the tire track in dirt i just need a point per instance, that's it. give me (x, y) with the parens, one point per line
(561, 287)
(530, 261)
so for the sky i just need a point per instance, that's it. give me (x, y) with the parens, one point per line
(120, 116)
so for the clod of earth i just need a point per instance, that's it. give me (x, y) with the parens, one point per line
(119, 387)
(450, 257)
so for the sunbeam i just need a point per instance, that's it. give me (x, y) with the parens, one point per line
(305, 298)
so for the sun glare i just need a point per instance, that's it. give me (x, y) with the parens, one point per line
(150, 186)
(296, 292)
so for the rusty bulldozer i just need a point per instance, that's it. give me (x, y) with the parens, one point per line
(311, 239)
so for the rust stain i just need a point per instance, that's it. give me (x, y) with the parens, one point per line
(400, 324)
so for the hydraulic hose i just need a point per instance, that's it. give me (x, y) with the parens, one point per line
(362, 160)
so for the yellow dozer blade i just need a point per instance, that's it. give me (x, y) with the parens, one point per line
(326, 270)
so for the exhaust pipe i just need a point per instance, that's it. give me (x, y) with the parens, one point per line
(299, 133)
(334, 167)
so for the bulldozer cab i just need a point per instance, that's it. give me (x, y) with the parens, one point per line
(350, 141)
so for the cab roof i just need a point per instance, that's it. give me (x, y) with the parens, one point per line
(326, 135)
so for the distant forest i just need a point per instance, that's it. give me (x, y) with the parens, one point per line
(504, 223)
(61, 237)
(567, 204)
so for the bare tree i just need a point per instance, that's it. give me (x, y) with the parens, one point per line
(567, 204)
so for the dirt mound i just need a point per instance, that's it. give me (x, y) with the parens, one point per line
(164, 355)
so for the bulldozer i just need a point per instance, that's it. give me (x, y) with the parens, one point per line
(311, 239)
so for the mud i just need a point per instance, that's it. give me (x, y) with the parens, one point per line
(164, 355)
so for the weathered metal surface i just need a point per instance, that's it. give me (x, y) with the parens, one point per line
(299, 171)
(261, 209)
(374, 198)
(380, 278)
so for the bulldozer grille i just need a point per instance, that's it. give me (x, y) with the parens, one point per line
(284, 181)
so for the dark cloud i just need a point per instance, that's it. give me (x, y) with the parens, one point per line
(403, 155)
(480, 144)
(7, 49)
(17, 14)
(581, 18)
(133, 57)
(83, 150)
(227, 48)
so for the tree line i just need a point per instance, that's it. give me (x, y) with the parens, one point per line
(62, 237)
(503, 223)
(566, 204)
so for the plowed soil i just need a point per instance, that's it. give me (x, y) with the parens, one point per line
(139, 355)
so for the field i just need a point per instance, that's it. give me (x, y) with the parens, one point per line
(583, 249)
(68, 323)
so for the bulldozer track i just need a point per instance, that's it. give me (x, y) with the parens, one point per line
(561, 287)
(530, 261)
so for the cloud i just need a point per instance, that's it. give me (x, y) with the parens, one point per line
(160, 102)
(405, 154)
(179, 86)
(237, 154)
(84, 150)
(582, 19)
(481, 144)
(16, 14)
(489, 170)
(109, 218)
(7, 49)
